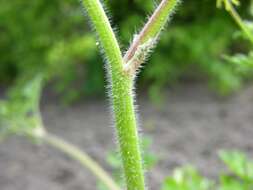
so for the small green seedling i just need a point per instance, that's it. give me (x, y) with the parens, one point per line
(238, 177)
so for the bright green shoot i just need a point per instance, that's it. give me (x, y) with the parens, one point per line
(121, 72)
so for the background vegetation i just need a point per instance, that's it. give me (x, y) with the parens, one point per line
(48, 36)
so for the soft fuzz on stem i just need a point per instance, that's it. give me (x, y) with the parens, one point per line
(121, 95)
(121, 84)
(153, 27)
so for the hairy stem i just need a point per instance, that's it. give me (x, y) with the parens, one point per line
(240, 22)
(121, 96)
(105, 32)
(122, 84)
(153, 27)
(81, 157)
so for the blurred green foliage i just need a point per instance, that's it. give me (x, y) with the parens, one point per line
(19, 112)
(51, 36)
(241, 62)
(239, 176)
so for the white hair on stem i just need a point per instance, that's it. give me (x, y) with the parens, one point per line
(140, 56)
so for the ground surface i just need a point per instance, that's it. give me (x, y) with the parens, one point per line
(191, 127)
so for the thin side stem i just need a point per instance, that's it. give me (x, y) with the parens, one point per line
(153, 27)
(81, 157)
(122, 98)
(240, 22)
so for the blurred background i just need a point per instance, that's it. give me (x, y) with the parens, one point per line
(54, 36)
(193, 99)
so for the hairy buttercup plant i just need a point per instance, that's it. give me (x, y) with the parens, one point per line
(20, 111)
(121, 72)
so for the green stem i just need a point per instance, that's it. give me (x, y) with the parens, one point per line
(80, 156)
(122, 98)
(153, 27)
(105, 32)
(122, 84)
(240, 22)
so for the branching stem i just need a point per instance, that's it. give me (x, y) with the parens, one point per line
(121, 85)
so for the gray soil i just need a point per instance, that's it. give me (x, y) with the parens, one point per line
(190, 128)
